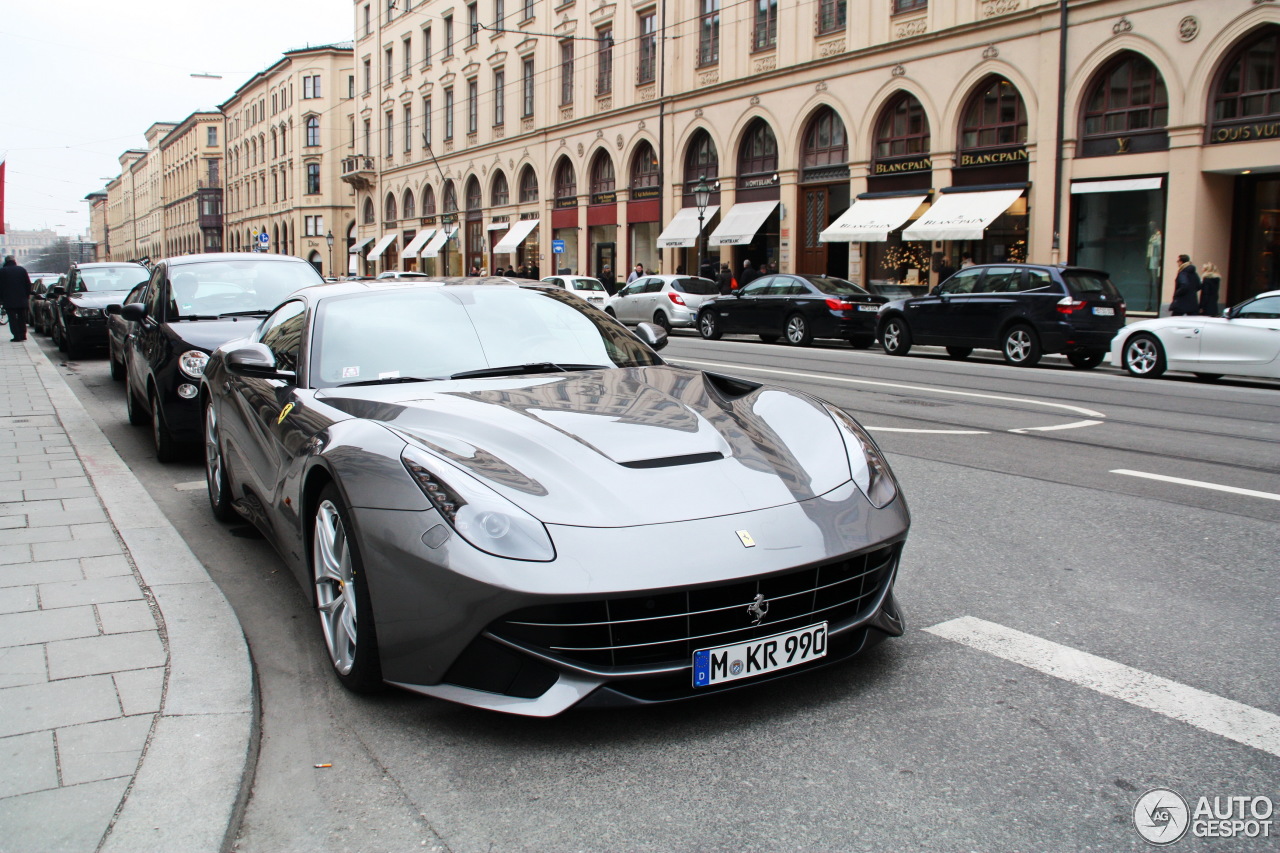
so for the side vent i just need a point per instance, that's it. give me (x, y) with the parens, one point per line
(730, 387)
(672, 461)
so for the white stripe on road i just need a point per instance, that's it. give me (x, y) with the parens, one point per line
(1075, 425)
(1228, 718)
(1199, 484)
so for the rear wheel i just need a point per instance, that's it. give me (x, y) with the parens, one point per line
(215, 472)
(342, 596)
(60, 337)
(1144, 356)
(660, 319)
(117, 368)
(1021, 346)
(895, 336)
(1086, 359)
(798, 333)
(708, 327)
(959, 352)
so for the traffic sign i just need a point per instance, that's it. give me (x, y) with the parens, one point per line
(264, 238)
(557, 247)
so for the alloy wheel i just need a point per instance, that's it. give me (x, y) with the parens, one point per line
(1142, 357)
(335, 587)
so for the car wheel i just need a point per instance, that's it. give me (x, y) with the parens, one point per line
(1143, 356)
(137, 414)
(895, 337)
(74, 348)
(166, 447)
(215, 472)
(798, 333)
(342, 596)
(609, 311)
(959, 352)
(60, 337)
(1208, 377)
(660, 319)
(1086, 360)
(769, 339)
(1021, 346)
(708, 327)
(117, 367)
(862, 341)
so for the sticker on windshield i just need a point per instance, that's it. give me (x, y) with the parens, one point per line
(390, 374)
(350, 372)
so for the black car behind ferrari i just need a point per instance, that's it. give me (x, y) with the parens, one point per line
(799, 307)
(78, 316)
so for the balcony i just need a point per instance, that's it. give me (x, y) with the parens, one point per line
(209, 182)
(359, 171)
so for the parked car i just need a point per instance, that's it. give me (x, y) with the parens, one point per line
(498, 497)
(191, 305)
(39, 308)
(666, 300)
(78, 318)
(403, 275)
(590, 289)
(1244, 341)
(1023, 310)
(119, 329)
(799, 307)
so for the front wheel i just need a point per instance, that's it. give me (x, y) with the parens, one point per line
(798, 333)
(215, 470)
(342, 596)
(1144, 356)
(137, 414)
(895, 337)
(166, 447)
(1086, 360)
(708, 327)
(1021, 346)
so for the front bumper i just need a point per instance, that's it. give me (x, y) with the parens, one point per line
(86, 331)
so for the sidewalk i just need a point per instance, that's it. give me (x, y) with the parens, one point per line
(127, 705)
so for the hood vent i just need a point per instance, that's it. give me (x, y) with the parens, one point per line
(672, 461)
(730, 387)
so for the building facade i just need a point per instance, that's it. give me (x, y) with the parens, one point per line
(867, 140)
(191, 155)
(26, 246)
(288, 129)
(98, 234)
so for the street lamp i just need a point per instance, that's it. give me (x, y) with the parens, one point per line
(328, 238)
(701, 198)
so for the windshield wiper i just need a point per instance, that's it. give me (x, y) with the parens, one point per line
(259, 312)
(535, 367)
(388, 380)
(197, 317)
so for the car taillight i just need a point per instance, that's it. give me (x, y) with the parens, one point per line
(676, 298)
(839, 305)
(1067, 305)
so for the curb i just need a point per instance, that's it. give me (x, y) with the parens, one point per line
(193, 779)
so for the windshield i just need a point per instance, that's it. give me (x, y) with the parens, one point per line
(836, 286)
(232, 287)
(587, 284)
(696, 286)
(123, 277)
(436, 333)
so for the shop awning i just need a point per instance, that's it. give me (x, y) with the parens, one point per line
(741, 223)
(432, 249)
(353, 264)
(376, 251)
(1118, 186)
(360, 244)
(497, 226)
(871, 219)
(961, 216)
(682, 231)
(419, 240)
(511, 241)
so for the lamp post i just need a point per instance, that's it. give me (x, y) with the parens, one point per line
(701, 198)
(328, 238)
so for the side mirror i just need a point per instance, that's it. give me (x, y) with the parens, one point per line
(58, 290)
(256, 360)
(653, 335)
(133, 312)
(1226, 313)
(114, 309)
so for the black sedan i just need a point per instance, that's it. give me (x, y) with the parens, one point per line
(39, 307)
(79, 314)
(800, 307)
(192, 305)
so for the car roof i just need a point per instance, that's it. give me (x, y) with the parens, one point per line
(98, 264)
(1061, 268)
(320, 292)
(214, 257)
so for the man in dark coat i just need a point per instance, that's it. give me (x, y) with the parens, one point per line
(1186, 289)
(747, 275)
(15, 290)
(724, 280)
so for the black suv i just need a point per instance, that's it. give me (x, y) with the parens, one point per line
(1023, 310)
(77, 317)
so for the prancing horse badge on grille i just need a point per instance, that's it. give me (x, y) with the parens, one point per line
(758, 609)
(747, 541)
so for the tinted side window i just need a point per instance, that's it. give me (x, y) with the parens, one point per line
(1000, 280)
(282, 333)
(1267, 308)
(1039, 281)
(154, 290)
(652, 285)
(757, 287)
(961, 282)
(136, 294)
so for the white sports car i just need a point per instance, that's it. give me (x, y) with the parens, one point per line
(1244, 341)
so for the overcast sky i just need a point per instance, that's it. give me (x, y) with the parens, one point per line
(82, 80)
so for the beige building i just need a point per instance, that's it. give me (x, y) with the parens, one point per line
(121, 209)
(192, 155)
(288, 129)
(26, 246)
(874, 141)
(98, 223)
(135, 219)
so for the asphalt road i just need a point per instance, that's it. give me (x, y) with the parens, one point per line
(1023, 534)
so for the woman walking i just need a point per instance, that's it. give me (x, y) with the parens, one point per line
(1210, 282)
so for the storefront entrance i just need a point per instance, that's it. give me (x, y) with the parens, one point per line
(819, 207)
(1118, 227)
(1255, 250)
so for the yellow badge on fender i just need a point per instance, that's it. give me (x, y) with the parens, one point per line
(284, 413)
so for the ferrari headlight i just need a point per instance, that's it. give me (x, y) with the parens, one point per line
(866, 463)
(192, 363)
(481, 516)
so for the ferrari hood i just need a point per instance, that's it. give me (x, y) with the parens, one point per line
(620, 447)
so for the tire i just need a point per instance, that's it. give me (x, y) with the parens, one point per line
(137, 414)
(166, 447)
(117, 367)
(1021, 346)
(1143, 356)
(74, 348)
(1208, 377)
(862, 341)
(1086, 360)
(708, 327)
(660, 319)
(60, 337)
(609, 311)
(217, 483)
(769, 339)
(895, 336)
(341, 596)
(959, 352)
(798, 332)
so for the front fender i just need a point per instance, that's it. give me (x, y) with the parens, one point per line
(363, 458)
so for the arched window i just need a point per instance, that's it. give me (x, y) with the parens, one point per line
(389, 208)
(645, 171)
(450, 198)
(702, 161)
(903, 129)
(566, 180)
(759, 151)
(475, 200)
(428, 201)
(1126, 99)
(313, 131)
(406, 204)
(994, 117)
(825, 141)
(1247, 89)
(528, 185)
(501, 194)
(602, 178)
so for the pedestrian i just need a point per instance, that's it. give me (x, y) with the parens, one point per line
(636, 273)
(15, 291)
(965, 261)
(1210, 282)
(679, 269)
(747, 275)
(707, 270)
(511, 271)
(1186, 289)
(725, 280)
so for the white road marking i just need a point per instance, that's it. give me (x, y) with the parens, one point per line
(189, 487)
(1225, 717)
(1199, 484)
(1075, 425)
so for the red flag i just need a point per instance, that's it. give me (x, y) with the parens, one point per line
(1, 196)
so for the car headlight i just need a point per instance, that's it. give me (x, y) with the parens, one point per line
(192, 363)
(77, 311)
(867, 464)
(480, 515)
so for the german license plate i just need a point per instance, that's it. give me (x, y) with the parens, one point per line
(756, 657)
(868, 307)
(1105, 312)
